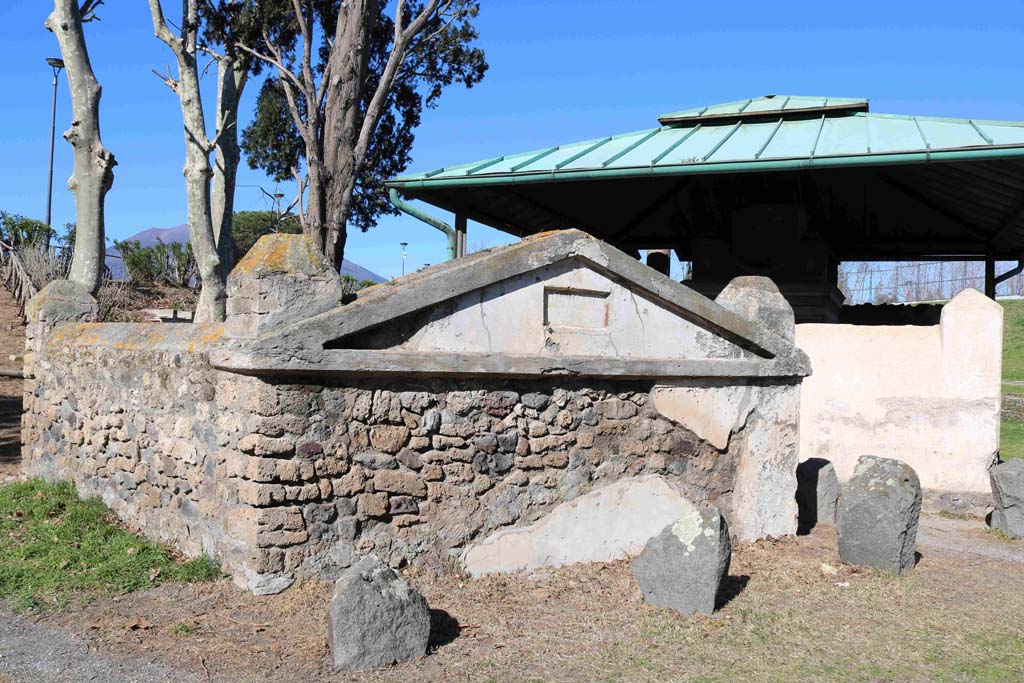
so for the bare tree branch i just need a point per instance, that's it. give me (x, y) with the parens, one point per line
(88, 10)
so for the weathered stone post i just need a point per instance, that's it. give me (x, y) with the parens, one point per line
(283, 278)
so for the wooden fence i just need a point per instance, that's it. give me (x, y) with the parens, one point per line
(15, 278)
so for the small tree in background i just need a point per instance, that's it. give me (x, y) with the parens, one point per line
(249, 226)
(17, 230)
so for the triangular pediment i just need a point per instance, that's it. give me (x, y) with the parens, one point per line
(551, 298)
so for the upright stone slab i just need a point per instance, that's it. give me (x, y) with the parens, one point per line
(878, 515)
(763, 502)
(1008, 497)
(682, 567)
(817, 493)
(376, 618)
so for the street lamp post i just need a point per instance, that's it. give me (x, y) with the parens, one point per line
(55, 64)
(404, 245)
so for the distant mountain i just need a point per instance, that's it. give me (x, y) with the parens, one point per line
(179, 233)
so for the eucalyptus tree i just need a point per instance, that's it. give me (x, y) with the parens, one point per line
(93, 173)
(351, 83)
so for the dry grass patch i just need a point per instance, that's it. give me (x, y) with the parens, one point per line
(954, 618)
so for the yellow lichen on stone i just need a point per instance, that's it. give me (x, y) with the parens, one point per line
(281, 253)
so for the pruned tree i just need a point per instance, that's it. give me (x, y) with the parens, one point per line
(93, 173)
(226, 24)
(198, 147)
(340, 115)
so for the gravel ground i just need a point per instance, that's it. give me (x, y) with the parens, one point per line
(966, 537)
(45, 654)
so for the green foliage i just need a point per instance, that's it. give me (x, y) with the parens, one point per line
(349, 285)
(272, 142)
(53, 545)
(171, 264)
(249, 226)
(17, 230)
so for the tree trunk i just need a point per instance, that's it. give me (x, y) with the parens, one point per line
(213, 297)
(231, 78)
(93, 172)
(343, 117)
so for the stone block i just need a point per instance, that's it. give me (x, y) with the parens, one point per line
(1008, 497)
(389, 438)
(375, 618)
(405, 483)
(817, 494)
(282, 278)
(682, 567)
(878, 515)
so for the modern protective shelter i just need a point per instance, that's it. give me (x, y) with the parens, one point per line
(780, 186)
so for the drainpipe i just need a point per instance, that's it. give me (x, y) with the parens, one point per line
(432, 221)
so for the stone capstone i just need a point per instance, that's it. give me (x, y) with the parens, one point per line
(682, 567)
(817, 493)
(283, 278)
(1008, 497)
(758, 298)
(375, 618)
(59, 302)
(878, 515)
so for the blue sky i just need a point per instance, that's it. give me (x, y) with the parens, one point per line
(561, 71)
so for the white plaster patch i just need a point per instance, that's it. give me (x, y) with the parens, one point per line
(712, 413)
(608, 524)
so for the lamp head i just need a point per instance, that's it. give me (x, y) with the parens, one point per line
(55, 62)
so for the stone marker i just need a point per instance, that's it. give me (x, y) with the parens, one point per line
(878, 515)
(1008, 497)
(683, 565)
(375, 618)
(817, 493)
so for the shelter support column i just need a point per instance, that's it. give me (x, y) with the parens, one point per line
(460, 235)
(990, 276)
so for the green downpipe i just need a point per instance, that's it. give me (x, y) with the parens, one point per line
(411, 210)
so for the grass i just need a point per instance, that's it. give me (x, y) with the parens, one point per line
(1011, 433)
(1013, 341)
(54, 545)
(1011, 439)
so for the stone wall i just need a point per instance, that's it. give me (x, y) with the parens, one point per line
(280, 480)
(212, 438)
(926, 395)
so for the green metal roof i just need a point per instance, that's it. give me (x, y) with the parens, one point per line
(880, 175)
(766, 106)
(800, 132)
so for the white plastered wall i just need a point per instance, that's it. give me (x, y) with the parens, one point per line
(929, 396)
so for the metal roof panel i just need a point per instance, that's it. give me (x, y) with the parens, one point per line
(846, 135)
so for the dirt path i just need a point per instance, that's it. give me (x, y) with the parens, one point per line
(43, 654)
(790, 611)
(12, 341)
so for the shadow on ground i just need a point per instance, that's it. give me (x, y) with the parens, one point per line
(444, 628)
(10, 432)
(729, 589)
